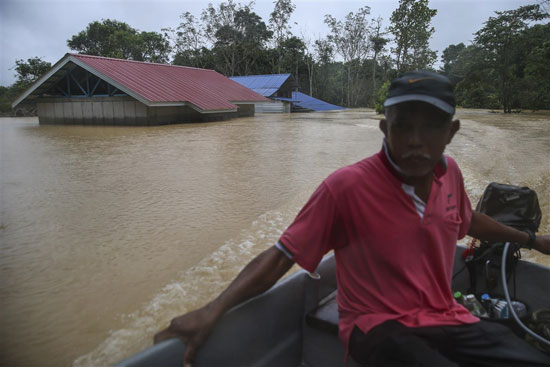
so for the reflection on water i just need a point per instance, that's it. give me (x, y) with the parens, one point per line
(108, 232)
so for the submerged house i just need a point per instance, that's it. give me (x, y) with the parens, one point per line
(277, 87)
(304, 102)
(282, 89)
(93, 90)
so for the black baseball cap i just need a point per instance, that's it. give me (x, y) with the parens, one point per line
(423, 86)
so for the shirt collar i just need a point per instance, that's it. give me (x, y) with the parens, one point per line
(439, 170)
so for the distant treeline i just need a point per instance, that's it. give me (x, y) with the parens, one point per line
(505, 67)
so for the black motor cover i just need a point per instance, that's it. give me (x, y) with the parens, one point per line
(515, 206)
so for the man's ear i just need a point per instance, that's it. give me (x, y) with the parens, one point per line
(455, 126)
(383, 125)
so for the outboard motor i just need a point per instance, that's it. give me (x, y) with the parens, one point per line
(517, 207)
(514, 206)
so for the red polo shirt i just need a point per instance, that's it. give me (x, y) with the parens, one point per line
(391, 263)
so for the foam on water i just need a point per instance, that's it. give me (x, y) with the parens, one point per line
(199, 283)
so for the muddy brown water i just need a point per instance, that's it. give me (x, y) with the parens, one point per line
(108, 232)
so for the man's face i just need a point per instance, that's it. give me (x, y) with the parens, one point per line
(416, 135)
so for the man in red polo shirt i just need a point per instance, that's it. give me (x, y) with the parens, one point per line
(393, 220)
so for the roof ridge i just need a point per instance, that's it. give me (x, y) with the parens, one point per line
(138, 62)
(258, 75)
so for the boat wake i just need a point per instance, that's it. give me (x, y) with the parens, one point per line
(191, 290)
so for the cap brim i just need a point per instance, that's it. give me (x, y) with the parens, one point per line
(422, 98)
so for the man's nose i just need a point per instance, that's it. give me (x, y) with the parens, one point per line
(416, 137)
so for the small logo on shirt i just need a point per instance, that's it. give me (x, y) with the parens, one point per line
(449, 201)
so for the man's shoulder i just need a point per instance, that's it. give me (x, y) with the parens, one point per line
(450, 162)
(353, 173)
(452, 166)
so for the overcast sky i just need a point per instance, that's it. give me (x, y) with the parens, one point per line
(42, 27)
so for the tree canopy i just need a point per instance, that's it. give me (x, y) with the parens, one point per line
(505, 66)
(410, 25)
(29, 71)
(111, 38)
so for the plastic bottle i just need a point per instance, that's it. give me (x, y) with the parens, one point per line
(502, 311)
(520, 308)
(487, 303)
(472, 304)
(459, 297)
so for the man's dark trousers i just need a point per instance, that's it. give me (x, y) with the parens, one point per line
(481, 344)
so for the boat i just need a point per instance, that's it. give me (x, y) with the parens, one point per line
(295, 323)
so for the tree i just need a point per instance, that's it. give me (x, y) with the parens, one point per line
(323, 51)
(292, 52)
(152, 47)
(278, 19)
(278, 24)
(309, 61)
(475, 85)
(381, 96)
(452, 66)
(111, 38)
(189, 42)
(29, 71)
(534, 50)
(500, 39)
(238, 34)
(410, 25)
(350, 39)
(378, 42)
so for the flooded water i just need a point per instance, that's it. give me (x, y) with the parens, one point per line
(106, 233)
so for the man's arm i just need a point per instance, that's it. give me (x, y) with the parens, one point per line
(256, 277)
(486, 228)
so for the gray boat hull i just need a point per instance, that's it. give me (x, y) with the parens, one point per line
(270, 330)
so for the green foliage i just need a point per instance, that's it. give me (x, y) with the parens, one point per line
(410, 25)
(503, 40)
(452, 64)
(8, 95)
(533, 69)
(350, 38)
(505, 67)
(278, 20)
(381, 96)
(111, 38)
(278, 24)
(378, 42)
(238, 35)
(29, 71)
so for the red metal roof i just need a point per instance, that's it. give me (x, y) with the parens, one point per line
(161, 83)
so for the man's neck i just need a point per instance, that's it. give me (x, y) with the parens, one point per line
(422, 185)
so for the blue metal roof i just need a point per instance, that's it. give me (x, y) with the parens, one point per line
(314, 104)
(266, 85)
(285, 99)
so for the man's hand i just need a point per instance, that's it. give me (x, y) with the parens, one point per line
(258, 276)
(486, 228)
(192, 328)
(542, 244)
